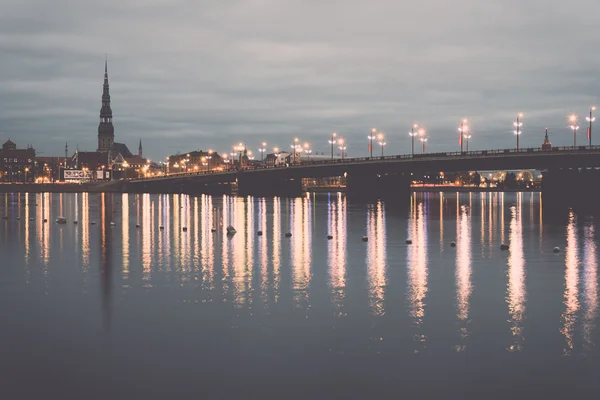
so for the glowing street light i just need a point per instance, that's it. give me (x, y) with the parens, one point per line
(590, 119)
(371, 137)
(518, 124)
(307, 150)
(295, 148)
(423, 139)
(381, 141)
(464, 132)
(332, 141)
(341, 146)
(574, 126)
(262, 150)
(412, 133)
(209, 157)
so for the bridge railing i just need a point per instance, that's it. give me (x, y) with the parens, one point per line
(354, 160)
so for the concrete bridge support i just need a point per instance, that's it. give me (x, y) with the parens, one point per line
(372, 186)
(258, 185)
(571, 188)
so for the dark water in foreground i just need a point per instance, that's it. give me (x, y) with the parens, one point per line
(98, 311)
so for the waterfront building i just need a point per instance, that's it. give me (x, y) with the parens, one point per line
(194, 161)
(16, 165)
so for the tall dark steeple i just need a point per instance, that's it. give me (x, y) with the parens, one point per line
(106, 131)
(140, 150)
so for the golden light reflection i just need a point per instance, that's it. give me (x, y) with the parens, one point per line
(336, 226)
(207, 222)
(569, 317)
(441, 220)
(263, 250)
(300, 226)
(516, 293)
(125, 233)
(226, 245)
(276, 247)
(242, 278)
(27, 244)
(85, 231)
(590, 286)
(46, 205)
(463, 272)
(376, 258)
(175, 236)
(147, 241)
(417, 270)
(185, 261)
(482, 198)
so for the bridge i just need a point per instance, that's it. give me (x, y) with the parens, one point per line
(376, 176)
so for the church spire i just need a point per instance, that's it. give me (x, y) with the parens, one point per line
(106, 131)
(140, 150)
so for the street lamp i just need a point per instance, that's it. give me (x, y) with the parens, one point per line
(262, 151)
(464, 131)
(295, 148)
(518, 125)
(209, 157)
(424, 141)
(332, 141)
(590, 119)
(371, 137)
(412, 133)
(341, 146)
(381, 141)
(307, 150)
(574, 126)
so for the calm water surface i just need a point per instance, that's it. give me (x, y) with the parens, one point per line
(94, 310)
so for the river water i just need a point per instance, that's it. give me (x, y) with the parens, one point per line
(96, 310)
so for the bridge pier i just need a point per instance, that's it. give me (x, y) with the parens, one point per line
(259, 185)
(373, 186)
(570, 188)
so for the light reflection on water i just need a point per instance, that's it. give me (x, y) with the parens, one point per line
(339, 292)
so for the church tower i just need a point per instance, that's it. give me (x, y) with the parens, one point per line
(106, 131)
(140, 150)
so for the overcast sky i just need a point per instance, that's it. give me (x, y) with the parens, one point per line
(190, 75)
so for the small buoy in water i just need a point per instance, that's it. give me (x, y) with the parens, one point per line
(259, 233)
(288, 234)
(31, 219)
(452, 244)
(137, 225)
(93, 222)
(503, 247)
(184, 228)
(18, 218)
(408, 241)
(556, 250)
(161, 227)
(75, 222)
(112, 224)
(329, 237)
(365, 239)
(45, 220)
(231, 230)
(213, 229)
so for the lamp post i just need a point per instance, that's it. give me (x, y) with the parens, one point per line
(381, 141)
(371, 137)
(295, 149)
(574, 126)
(464, 131)
(518, 125)
(262, 151)
(412, 134)
(26, 171)
(332, 141)
(424, 141)
(590, 119)
(209, 157)
(307, 150)
(341, 146)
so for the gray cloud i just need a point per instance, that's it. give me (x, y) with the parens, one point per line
(189, 74)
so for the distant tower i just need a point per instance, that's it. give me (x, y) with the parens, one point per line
(66, 153)
(140, 150)
(106, 131)
(546, 145)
